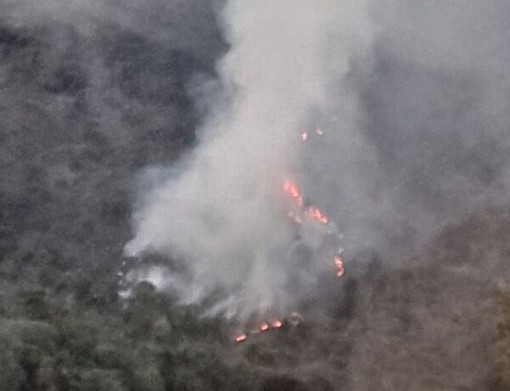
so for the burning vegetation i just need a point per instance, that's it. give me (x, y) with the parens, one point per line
(299, 213)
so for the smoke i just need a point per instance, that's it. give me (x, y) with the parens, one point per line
(435, 112)
(412, 100)
(429, 145)
(224, 211)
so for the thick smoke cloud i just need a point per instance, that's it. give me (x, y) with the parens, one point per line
(224, 213)
(434, 129)
(412, 98)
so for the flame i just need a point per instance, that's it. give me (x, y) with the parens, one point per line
(317, 214)
(293, 191)
(339, 265)
(296, 214)
(313, 212)
(276, 324)
(240, 337)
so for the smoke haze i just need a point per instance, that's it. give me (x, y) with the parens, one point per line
(416, 137)
(200, 105)
(223, 214)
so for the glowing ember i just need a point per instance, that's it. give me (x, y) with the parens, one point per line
(291, 189)
(296, 214)
(316, 213)
(241, 338)
(293, 192)
(276, 324)
(339, 265)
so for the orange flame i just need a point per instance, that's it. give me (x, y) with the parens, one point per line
(241, 337)
(293, 191)
(317, 214)
(276, 324)
(339, 265)
(263, 326)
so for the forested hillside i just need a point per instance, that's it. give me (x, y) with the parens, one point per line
(93, 98)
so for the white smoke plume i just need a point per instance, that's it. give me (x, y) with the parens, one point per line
(224, 213)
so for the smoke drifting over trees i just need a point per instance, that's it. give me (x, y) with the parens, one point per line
(223, 214)
(107, 105)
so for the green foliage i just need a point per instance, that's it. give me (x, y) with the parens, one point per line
(64, 213)
(282, 383)
(26, 348)
(59, 339)
(96, 380)
(148, 378)
(11, 373)
(499, 379)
